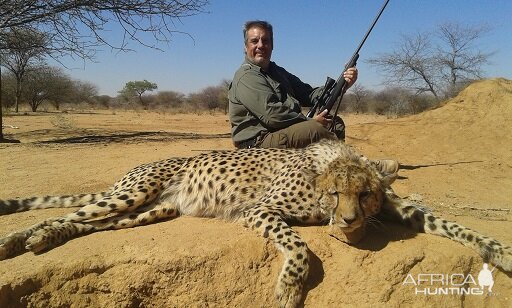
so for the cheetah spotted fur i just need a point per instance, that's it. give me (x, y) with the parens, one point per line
(266, 189)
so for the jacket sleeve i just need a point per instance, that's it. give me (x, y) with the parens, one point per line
(262, 100)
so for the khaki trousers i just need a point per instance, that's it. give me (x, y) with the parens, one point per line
(298, 135)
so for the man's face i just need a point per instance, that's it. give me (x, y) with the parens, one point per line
(258, 47)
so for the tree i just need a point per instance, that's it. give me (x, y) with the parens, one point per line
(359, 95)
(47, 83)
(78, 27)
(24, 48)
(411, 65)
(211, 98)
(170, 99)
(459, 60)
(137, 88)
(435, 62)
(84, 92)
(102, 100)
(223, 95)
(1, 105)
(8, 89)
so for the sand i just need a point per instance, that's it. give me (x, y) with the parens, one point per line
(456, 159)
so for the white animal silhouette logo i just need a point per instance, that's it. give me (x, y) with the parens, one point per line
(485, 278)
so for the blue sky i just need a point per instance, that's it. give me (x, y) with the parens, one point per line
(312, 39)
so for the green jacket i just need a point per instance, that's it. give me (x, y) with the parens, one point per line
(261, 102)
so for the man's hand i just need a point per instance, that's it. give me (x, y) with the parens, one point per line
(323, 118)
(350, 76)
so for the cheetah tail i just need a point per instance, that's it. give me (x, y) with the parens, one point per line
(20, 205)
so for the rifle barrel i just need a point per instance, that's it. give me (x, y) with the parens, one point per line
(371, 28)
(329, 97)
(339, 89)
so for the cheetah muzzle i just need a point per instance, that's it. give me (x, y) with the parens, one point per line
(265, 189)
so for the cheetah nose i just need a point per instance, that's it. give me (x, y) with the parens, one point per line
(349, 221)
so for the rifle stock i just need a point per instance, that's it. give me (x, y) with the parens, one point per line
(333, 91)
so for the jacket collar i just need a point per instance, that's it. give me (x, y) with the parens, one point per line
(271, 66)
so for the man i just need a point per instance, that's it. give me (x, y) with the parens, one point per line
(265, 100)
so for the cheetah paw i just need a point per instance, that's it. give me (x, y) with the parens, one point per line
(39, 240)
(12, 244)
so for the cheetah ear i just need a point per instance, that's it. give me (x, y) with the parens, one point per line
(388, 179)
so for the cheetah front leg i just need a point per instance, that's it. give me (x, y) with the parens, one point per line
(61, 231)
(54, 231)
(421, 220)
(269, 222)
(14, 243)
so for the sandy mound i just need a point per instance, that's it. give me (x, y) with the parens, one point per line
(479, 117)
(479, 114)
(467, 139)
(456, 158)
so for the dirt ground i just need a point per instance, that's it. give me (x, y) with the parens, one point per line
(456, 159)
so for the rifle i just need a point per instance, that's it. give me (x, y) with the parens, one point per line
(335, 89)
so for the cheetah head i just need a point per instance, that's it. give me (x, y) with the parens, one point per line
(349, 192)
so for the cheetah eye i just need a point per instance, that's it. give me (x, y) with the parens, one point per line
(364, 195)
(332, 191)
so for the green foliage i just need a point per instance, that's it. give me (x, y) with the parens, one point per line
(78, 27)
(137, 89)
(8, 90)
(169, 99)
(47, 83)
(211, 98)
(21, 49)
(101, 101)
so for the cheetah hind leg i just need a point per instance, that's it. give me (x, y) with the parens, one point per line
(117, 202)
(268, 221)
(415, 216)
(61, 231)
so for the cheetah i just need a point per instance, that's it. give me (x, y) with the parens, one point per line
(268, 190)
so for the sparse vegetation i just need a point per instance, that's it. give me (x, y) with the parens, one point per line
(48, 88)
(424, 69)
(438, 62)
(32, 30)
(390, 101)
(137, 89)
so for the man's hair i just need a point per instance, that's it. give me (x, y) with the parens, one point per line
(261, 24)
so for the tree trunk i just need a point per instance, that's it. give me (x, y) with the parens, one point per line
(2, 139)
(142, 102)
(1, 107)
(18, 94)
